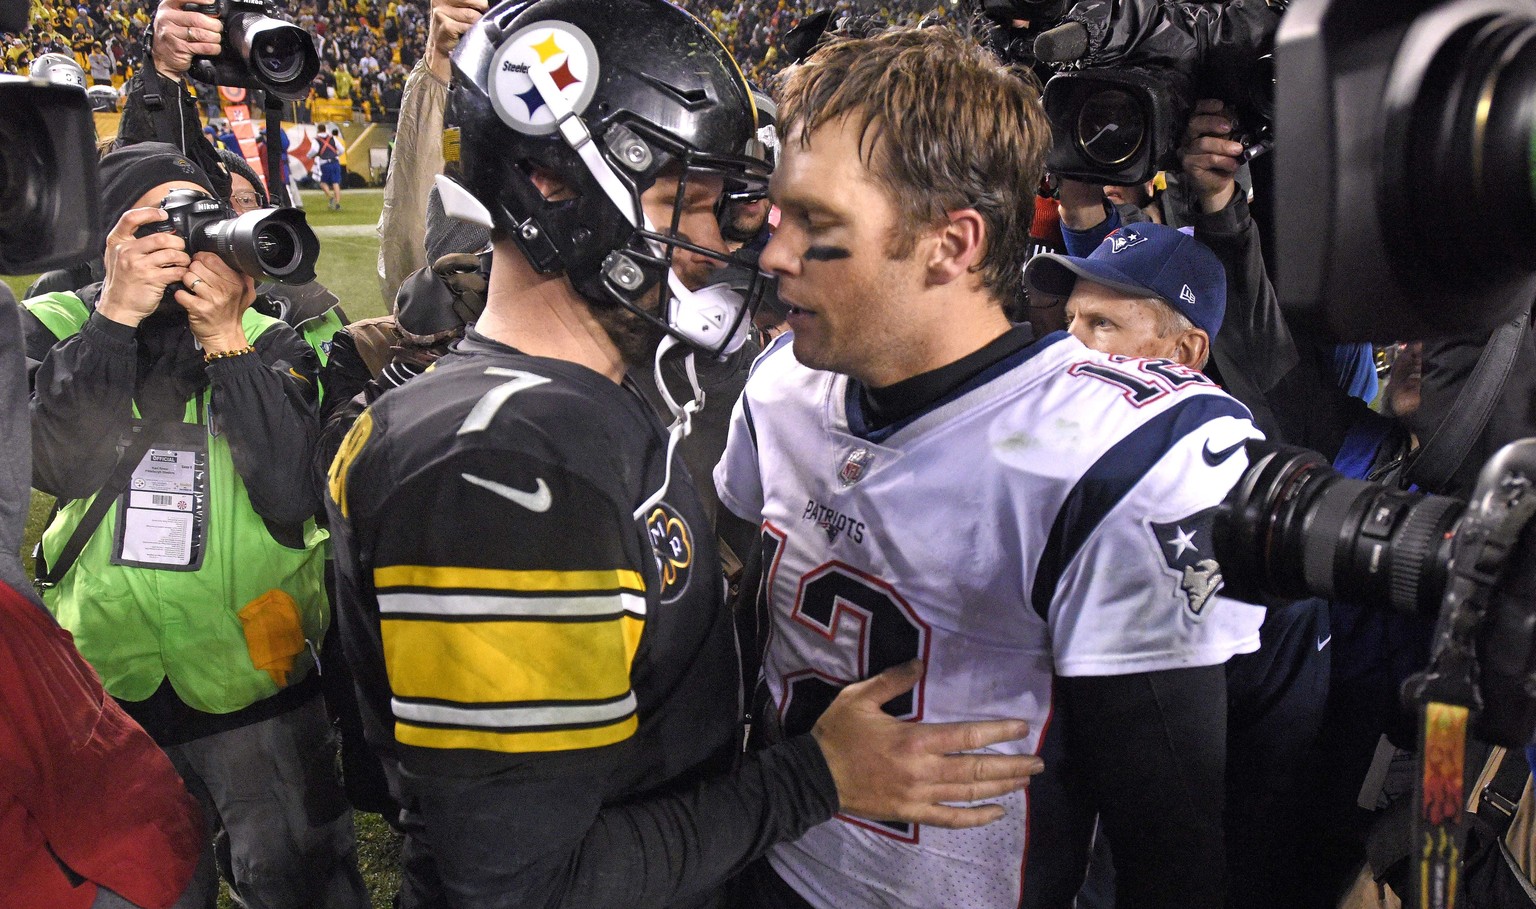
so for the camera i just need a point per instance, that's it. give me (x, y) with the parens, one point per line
(273, 244)
(1410, 125)
(259, 50)
(1127, 74)
(1292, 527)
(48, 198)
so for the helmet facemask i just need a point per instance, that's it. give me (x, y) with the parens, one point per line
(711, 316)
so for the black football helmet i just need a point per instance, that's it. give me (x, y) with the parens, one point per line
(607, 95)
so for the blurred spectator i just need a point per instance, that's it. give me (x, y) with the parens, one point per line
(63, 742)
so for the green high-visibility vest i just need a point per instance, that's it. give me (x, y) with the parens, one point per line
(227, 634)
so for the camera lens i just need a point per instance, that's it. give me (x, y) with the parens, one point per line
(277, 247)
(1293, 527)
(1466, 127)
(272, 243)
(1110, 127)
(279, 55)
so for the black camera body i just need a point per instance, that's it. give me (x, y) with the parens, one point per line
(48, 198)
(259, 50)
(273, 244)
(1117, 126)
(1129, 73)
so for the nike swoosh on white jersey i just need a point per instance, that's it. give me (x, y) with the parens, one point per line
(536, 499)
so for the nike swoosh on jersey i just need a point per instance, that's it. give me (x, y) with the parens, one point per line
(536, 499)
(1323, 642)
(1216, 457)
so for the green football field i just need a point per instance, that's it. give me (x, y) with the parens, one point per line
(348, 266)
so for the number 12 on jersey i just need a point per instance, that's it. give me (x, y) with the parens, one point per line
(847, 626)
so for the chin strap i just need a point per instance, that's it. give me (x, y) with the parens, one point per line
(682, 416)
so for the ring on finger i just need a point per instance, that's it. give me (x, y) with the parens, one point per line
(193, 286)
(189, 35)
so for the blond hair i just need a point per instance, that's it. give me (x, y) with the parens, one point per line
(945, 127)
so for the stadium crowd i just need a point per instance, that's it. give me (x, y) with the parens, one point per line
(367, 47)
(913, 603)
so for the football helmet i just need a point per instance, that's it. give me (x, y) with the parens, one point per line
(608, 95)
(60, 69)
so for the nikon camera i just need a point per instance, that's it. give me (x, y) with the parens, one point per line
(273, 244)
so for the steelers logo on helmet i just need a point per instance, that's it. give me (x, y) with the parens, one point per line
(558, 50)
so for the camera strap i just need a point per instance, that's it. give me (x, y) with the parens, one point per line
(133, 452)
(1440, 458)
(1447, 692)
(277, 187)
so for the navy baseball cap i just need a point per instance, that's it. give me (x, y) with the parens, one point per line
(1145, 260)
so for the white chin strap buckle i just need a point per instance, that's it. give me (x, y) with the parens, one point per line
(682, 416)
(705, 316)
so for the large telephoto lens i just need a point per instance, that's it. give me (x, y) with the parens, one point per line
(1293, 527)
(1465, 125)
(280, 55)
(276, 244)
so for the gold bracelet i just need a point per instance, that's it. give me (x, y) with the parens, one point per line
(210, 357)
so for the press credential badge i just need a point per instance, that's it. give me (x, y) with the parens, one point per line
(159, 522)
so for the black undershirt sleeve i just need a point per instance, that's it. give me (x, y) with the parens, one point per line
(1149, 751)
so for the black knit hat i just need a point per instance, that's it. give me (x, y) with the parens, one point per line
(131, 171)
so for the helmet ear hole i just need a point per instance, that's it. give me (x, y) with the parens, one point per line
(548, 183)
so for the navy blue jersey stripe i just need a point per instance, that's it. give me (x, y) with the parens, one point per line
(1112, 476)
(746, 411)
(776, 344)
(855, 410)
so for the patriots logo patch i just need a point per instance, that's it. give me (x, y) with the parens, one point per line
(1186, 545)
(1122, 240)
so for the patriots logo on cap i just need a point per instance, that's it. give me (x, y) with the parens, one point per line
(1187, 295)
(1122, 240)
(1187, 550)
(556, 50)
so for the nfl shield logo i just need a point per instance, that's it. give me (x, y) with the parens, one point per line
(853, 469)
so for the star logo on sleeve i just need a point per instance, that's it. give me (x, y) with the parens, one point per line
(1186, 547)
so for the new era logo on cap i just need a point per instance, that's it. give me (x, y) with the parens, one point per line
(1187, 295)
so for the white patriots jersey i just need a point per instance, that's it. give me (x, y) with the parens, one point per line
(1052, 517)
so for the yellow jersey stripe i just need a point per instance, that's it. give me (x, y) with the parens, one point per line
(509, 661)
(514, 742)
(457, 578)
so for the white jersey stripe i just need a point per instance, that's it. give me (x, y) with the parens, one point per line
(465, 606)
(513, 717)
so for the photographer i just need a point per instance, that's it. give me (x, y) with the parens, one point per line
(176, 426)
(161, 105)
